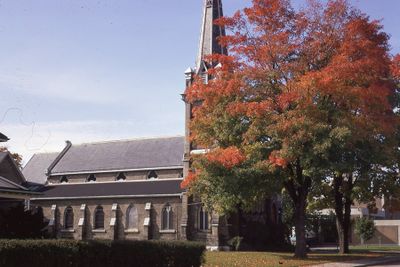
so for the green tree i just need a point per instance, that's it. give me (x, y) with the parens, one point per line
(302, 101)
(364, 228)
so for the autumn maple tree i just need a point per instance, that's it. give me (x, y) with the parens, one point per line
(302, 99)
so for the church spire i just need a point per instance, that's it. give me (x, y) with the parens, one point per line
(210, 32)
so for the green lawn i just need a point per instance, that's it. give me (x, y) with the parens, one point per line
(261, 259)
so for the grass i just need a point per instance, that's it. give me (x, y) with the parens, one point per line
(269, 259)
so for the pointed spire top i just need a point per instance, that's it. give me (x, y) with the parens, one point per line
(209, 32)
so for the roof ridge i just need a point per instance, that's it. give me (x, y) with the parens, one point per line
(128, 139)
(12, 183)
(46, 153)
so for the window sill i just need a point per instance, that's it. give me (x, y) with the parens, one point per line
(204, 230)
(68, 231)
(172, 231)
(99, 231)
(132, 231)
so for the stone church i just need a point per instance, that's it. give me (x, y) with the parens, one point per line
(130, 189)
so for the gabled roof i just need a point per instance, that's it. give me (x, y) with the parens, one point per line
(35, 170)
(7, 184)
(3, 138)
(9, 168)
(123, 155)
(3, 155)
(112, 189)
(9, 189)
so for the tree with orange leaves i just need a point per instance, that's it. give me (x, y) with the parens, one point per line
(303, 99)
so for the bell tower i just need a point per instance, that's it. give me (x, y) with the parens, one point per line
(208, 45)
(209, 34)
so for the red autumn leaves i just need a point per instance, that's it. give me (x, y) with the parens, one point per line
(282, 65)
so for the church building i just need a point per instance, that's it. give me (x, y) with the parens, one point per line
(130, 189)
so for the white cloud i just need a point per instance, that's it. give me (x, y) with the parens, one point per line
(48, 137)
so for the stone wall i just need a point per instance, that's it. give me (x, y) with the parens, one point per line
(114, 218)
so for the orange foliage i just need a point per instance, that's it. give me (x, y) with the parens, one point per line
(228, 157)
(276, 160)
(190, 178)
(284, 69)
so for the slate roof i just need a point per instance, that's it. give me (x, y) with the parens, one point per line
(3, 155)
(111, 190)
(7, 186)
(5, 183)
(210, 33)
(122, 155)
(3, 138)
(35, 170)
(11, 168)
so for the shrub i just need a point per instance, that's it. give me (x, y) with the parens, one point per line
(235, 243)
(365, 228)
(65, 253)
(18, 223)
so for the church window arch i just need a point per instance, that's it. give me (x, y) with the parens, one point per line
(167, 218)
(152, 175)
(203, 219)
(69, 218)
(131, 217)
(64, 179)
(99, 218)
(121, 177)
(91, 178)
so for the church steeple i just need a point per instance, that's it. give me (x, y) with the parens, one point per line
(209, 33)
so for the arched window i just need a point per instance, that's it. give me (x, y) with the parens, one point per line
(69, 218)
(203, 217)
(131, 217)
(99, 218)
(167, 218)
(64, 179)
(152, 175)
(121, 177)
(91, 178)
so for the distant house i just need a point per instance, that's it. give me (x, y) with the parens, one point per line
(11, 181)
(3, 138)
(13, 188)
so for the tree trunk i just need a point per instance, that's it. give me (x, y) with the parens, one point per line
(298, 189)
(342, 191)
(300, 228)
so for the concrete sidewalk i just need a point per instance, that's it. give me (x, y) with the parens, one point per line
(381, 261)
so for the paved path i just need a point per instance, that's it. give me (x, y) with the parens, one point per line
(379, 262)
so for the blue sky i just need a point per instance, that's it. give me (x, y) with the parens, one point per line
(93, 70)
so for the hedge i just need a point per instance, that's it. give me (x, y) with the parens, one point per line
(66, 253)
